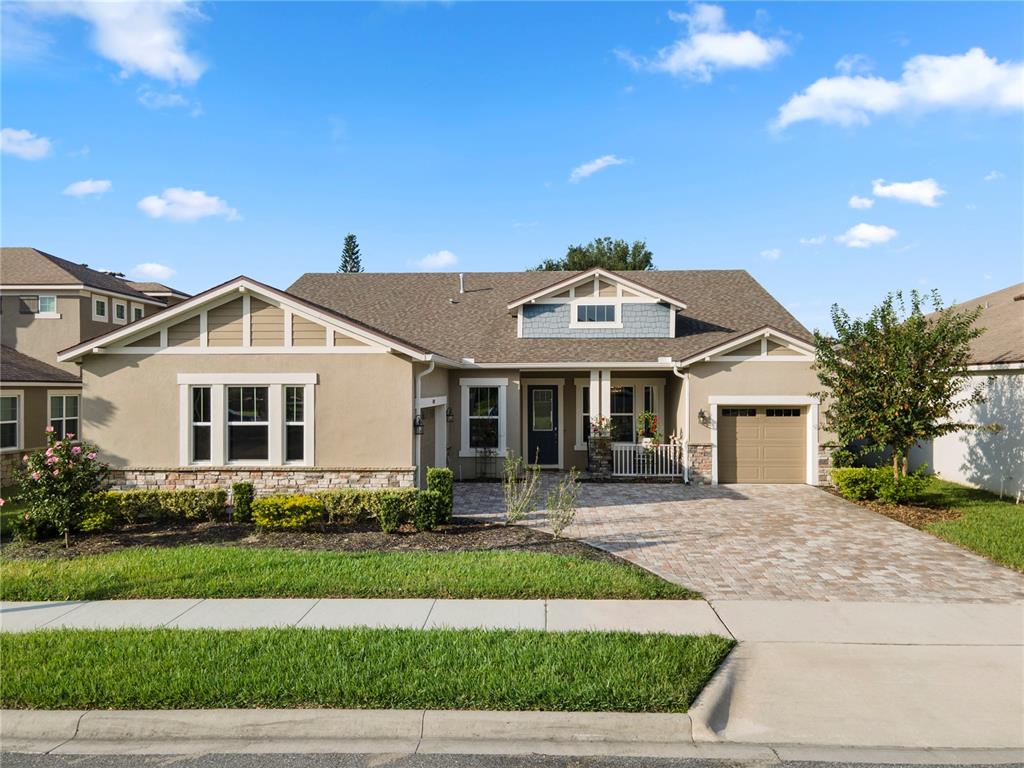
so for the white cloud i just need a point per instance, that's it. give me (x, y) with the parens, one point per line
(151, 99)
(147, 37)
(971, 80)
(816, 240)
(439, 260)
(24, 144)
(581, 172)
(924, 192)
(709, 46)
(861, 203)
(855, 64)
(994, 175)
(87, 187)
(151, 270)
(772, 254)
(180, 204)
(866, 235)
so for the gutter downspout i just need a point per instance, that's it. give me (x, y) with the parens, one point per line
(417, 411)
(686, 421)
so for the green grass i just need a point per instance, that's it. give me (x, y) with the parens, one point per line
(218, 571)
(356, 668)
(9, 511)
(989, 526)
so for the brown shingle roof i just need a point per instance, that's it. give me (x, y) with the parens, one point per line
(30, 266)
(158, 288)
(17, 367)
(427, 310)
(1002, 317)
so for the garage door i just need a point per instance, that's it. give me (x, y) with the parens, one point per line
(758, 444)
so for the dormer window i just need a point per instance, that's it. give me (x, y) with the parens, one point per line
(595, 313)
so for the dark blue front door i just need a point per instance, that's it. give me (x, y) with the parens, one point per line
(542, 429)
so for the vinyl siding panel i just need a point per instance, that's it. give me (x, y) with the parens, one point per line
(306, 333)
(184, 334)
(224, 325)
(267, 323)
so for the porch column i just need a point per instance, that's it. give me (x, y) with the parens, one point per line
(606, 393)
(595, 396)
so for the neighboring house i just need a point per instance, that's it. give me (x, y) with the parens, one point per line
(169, 296)
(992, 457)
(47, 304)
(366, 379)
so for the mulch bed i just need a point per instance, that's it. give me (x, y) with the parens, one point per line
(914, 516)
(461, 535)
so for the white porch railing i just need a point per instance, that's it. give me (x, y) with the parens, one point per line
(636, 460)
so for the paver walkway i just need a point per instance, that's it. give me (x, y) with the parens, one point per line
(767, 542)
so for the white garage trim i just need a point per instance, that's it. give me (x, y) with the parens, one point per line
(812, 425)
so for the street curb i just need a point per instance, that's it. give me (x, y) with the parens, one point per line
(252, 731)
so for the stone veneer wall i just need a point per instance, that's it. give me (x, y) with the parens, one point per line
(599, 458)
(8, 463)
(824, 466)
(270, 480)
(700, 464)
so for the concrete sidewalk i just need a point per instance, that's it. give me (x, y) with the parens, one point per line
(671, 616)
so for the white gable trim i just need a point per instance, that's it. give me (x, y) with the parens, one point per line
(597, 273)
(721, 352)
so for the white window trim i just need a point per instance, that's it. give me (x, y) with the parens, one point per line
(93, 299)
(524, 386)
(50, 393)
(579, 444)
(133, 308)
(307, 426)
(276, 433)
(595, 300)
(113, 312)
(191, 432)
(465, 451)
(813, 408)
(19, 396)
(55, 315)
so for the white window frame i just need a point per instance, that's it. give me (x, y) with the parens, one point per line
(582, 424)
(95, 299)
(191, 424)
(54, 315)
(276, 433)
(64, 393)
(502, 384)
(287, 423)
(227, 424)
(595, 301)
(137, 308)
(19, 398)
(115, 304)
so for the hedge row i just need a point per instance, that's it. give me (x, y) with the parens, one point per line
(111, 509)
(879, 484)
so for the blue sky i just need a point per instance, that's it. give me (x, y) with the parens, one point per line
(251, 137)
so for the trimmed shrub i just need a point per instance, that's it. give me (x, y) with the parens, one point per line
(110, 509)
(442, 480)
(855, 483)
(286, 513)
(347, 505)
(104, 512)
(242, 495)
(430, 510)
(394, 507)
(878, 483)
(193, 504)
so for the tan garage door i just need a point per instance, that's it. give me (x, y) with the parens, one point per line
(758, 444)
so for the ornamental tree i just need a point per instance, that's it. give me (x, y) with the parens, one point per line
(351, 260)
(898, 377)
(56, 481)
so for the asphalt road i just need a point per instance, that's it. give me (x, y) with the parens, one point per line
(10, 760)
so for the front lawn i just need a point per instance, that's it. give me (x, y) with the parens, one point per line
(199, 571)
(356, 668)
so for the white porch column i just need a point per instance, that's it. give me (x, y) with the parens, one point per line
(606, 393)
(595, 396)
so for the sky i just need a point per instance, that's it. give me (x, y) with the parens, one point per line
(836, 151)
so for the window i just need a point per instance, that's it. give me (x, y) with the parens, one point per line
(99, 308)
(483, 417)
(9, 414)
(137, 312)
(595, 313)
(64, 414)
(585, 414)
(120, 312)
(201, 423)
(47, 305)
(543, 410)
(294, 423)
(739, 411)
(248, 424)
(781, 411)
(622, 417)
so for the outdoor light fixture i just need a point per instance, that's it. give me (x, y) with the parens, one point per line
(417, 424)
(449, 416)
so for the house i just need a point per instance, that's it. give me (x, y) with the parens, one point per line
(367, 379)
(47, 304)
(163, 293)
(991, 457)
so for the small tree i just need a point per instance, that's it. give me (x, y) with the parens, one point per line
(56, 482)
(603, 252)
(350, 257)
(519, 486)
(897, 378)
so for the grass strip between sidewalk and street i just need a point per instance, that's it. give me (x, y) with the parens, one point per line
(356, 668)
(200, 571)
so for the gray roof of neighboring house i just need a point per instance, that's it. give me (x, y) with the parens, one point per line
(155, 288)
(30, 266)
(17, 367)
(426, 309)
(1002, 317)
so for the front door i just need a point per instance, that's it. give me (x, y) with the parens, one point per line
(542, 424)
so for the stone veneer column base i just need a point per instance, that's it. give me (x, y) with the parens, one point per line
(825, 467)
(8, 463)
(700, 463)
(269, 480)
(599, 458)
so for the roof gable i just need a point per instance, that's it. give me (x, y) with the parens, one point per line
(595, 281)
(32, 267)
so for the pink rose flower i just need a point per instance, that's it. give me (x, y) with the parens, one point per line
(91, 456)
(25, 458)
(35, 475)
(2, 502)
(56, 473)
(50, 430)
(70, 436)
(49, 451)
(77, 449)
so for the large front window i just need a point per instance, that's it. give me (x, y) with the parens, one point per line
(622, 414)
(248, 424)
(484, 414)
(64, 414)
(9, 421)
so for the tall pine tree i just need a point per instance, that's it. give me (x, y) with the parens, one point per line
(350, 261)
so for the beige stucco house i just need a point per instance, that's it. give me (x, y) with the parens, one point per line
(367, 379)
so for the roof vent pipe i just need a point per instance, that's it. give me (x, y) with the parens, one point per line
(462, 283)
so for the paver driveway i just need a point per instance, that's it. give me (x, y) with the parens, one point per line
(768, 542)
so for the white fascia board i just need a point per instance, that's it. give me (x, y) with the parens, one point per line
(597, 272)
(743, 341)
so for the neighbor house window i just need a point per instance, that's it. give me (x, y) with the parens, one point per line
(294, 423)
(64, 414)
(622, 416)
(595, 313)
(484, 412)
(99, 308)
(47, 305)
(137, 313)
(248, 424)
(201, 423)
(120, 312)
(9, 420)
